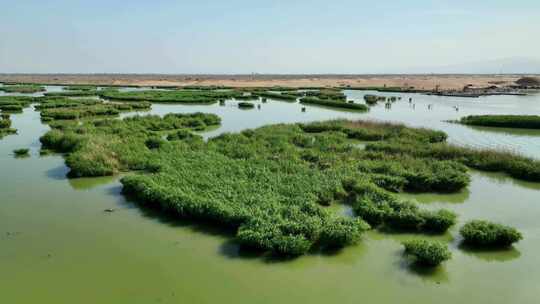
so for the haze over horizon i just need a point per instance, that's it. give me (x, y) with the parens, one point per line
(281, 37)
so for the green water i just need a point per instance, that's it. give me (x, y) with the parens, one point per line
(57, 245)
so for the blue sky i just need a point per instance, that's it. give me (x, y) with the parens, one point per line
(235, 36)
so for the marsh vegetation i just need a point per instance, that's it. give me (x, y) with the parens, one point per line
(20, 88)
(503, 121)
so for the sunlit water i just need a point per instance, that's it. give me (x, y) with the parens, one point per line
(57, 245)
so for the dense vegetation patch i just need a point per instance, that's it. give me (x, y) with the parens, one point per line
(334, 103)
(487, 160)
(373, 99)
(427, 253)
(285, 96)
(270, 184)
(21, 152)
(503, 121)
(74, 93)
(172, 96)
(80, 88)
(246, 105)
(106, 147)
(5, 126)
(26, 89)
(61, 108)
(14, 104)
(487, 234)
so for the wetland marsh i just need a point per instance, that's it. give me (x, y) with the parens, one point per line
(58, 243)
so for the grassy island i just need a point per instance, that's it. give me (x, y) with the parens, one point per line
(486, 234)
(503, 121)
(427, 253)
(171, 96)
(25, 89)
(342, 104)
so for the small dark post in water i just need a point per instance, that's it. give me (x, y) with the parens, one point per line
(410, 99)
(264, 100)
(222, 102)
(259, 106)
(303, 109)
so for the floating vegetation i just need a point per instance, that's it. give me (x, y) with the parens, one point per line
(21, 152)
(74, 93)
(172, 96)
(486, 234)
(5, 126)
(334, 103)
(427, 253)
(373, 99)
(246, 105)
(503, 121)
(80, 88)
(25, 89)
(286, 96)
(247, 97)
(326, 94)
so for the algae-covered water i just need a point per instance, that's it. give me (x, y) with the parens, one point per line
(57, 245)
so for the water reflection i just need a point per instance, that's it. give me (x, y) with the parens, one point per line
(490, 254)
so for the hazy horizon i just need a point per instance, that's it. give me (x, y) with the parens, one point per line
(293, 37)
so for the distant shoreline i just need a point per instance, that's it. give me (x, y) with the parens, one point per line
(415, 81)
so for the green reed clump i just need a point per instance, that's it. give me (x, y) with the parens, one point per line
(171, 96)
(271, 184)
(21, 152)
(380, 208)
(373, 99)
(105, 147)
(503, 121)
(334, 103)
(376, 131)
(25, 89)
(184, 135)
(517, 166)
(427, 253)
(14, 104)
(80, 88)
(327, 94)
(246, 105)
(79, 112)
(486, 234)
(5, 126)
(74, 93)
(285, 96)
(61, 108)
(247, 97)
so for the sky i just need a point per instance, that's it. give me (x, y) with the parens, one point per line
(283, 37)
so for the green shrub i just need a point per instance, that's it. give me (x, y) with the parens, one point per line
(487, 234)
(427, 253)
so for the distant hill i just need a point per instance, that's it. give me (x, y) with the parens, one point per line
(496, 66)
